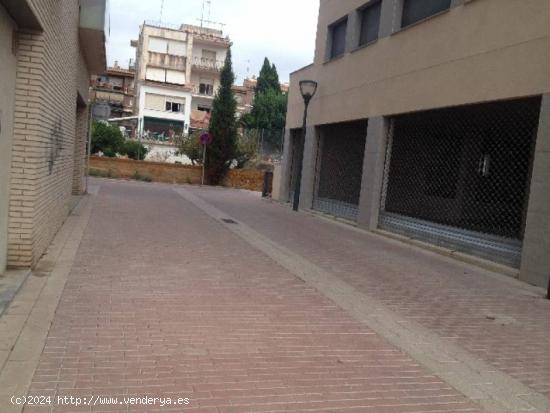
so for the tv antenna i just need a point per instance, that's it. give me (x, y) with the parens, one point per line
(161, 9)
(206, 19)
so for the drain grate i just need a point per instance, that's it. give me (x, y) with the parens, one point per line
(229, 221)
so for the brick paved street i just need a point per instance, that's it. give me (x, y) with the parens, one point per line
(497, 322)
(163, 300)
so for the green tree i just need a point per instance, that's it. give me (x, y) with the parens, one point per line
(268, 111)
(268, 78)
(134, 150)
(191, 147)
(107, 139)
(270, 104)
(223, 126)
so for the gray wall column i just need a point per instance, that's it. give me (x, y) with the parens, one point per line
(352, 34)
(535, 263)
(390, 17)
(309, 169)
(373, 172)
(286, 165)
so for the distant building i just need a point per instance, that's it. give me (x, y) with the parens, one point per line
(245, 94)
(177, 75)
(116, 88)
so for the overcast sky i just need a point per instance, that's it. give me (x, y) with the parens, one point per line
(282, 30)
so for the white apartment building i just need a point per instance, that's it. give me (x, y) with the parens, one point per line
(177, 75)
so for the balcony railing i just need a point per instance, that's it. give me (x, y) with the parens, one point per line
(203, 63)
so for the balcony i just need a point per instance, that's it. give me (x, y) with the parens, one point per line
(167, 61)
(93, 33)
(207, 65)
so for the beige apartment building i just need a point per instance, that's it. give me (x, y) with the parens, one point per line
(48, 49)
(177, 75)
(115, 87)
(431, 121)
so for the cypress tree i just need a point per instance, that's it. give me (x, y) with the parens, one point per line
(223, 127)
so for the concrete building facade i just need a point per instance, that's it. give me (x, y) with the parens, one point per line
(116, 88)
(47, 51)
(430, 121)
(177, 75)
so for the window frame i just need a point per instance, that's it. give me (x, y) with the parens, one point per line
(360, 19)
(330, 43)
(404, 26)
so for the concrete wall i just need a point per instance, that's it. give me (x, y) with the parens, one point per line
(535, 265)
(7, 97)
(479, 51)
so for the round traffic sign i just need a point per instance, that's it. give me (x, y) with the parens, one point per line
(206, 138)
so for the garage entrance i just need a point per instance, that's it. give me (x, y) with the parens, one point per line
(459, 177)
(340, 169)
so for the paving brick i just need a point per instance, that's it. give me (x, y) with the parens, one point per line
(163, 301)
(491, 318)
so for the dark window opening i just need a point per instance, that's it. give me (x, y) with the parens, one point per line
(338, 38)
(206, 89)
(417, 10)
(370, 23)
(204, 109)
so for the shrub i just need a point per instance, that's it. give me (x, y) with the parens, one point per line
(107, 139)
(134, 150)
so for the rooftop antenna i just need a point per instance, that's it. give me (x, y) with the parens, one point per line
(207, 8)
(161, 9)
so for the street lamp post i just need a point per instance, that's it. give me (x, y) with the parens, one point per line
(307, 89)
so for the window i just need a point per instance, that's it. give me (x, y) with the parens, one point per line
(174, 107)
(370, 23)
(154, 101)
(158, 102)
(209, 55)
(175, 76)
(204, 109)
(165, 46)
(206, 86)
(338, 38)
(417, 10)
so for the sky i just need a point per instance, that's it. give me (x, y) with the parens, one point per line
(282, 30)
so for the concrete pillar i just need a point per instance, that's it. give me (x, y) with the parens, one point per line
(353, 31)
(390, 17)
(535, 263)
(308, 168)
(285, 169)
(373, 172)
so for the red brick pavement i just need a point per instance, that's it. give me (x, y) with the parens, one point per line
(502, 325)
(164, 301)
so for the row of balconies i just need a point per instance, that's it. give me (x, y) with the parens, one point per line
(168, 61)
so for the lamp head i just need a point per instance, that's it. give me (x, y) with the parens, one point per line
(308, 89)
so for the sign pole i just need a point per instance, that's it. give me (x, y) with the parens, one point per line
(203, 163)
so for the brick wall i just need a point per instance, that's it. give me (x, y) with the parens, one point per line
(173, 174)
(44, 131)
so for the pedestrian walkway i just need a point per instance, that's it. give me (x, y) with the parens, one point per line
(503, 322)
